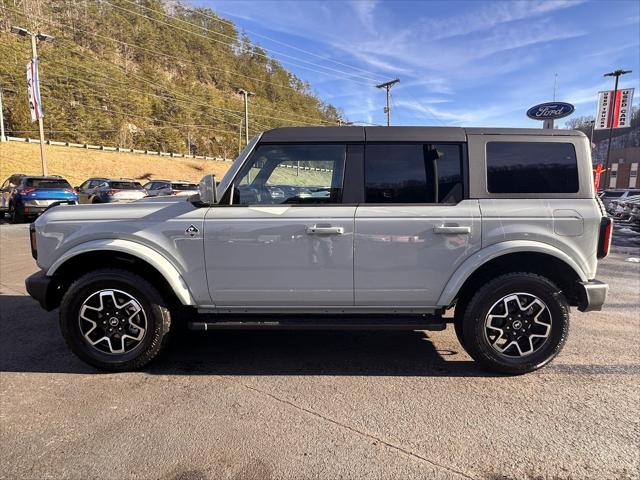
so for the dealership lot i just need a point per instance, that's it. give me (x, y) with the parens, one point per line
(318, 404)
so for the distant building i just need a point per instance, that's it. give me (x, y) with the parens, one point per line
(624, 168)
(625, 159)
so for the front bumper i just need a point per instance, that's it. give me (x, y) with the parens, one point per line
(591, 295)
(44, 289)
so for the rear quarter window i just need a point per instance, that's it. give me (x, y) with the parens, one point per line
(531, 167)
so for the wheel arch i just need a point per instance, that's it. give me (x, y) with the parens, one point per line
(526, 256)
(127, 255)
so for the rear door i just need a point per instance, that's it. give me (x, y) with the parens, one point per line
(416, 225)
(286, 238)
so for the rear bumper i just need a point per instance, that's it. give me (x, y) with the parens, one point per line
(592, 295)
(43, 289)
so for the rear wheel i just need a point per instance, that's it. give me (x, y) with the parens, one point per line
(16, 214)
(516, 323)
(114, 320)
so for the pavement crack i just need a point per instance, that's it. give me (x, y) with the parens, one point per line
(352, 429)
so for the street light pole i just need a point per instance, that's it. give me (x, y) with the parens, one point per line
(23, 32)
(246, 94)
(387, 86)
(612, 103)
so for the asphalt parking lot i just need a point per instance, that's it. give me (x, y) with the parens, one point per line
(267, 405)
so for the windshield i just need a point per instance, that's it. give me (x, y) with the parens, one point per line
(47, 183)
(184, 186)
(125, 185)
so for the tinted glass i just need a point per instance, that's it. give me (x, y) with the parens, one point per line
(125, 185)
(292, 174)
(449, 171)
(396, 173)
(46, 183)
(613, 194)
(184, 186)
(531, 167)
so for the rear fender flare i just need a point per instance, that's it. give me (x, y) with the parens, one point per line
(144, 253)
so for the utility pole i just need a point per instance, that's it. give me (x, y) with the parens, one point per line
(246, 94)
(240, 136)
(2, 137)
(387, 86)
(189, 142)
(23, 32)
(617, 74)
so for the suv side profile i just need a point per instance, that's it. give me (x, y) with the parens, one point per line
(343, 228)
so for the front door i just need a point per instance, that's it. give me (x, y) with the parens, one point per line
(415, 227)
(284, 238)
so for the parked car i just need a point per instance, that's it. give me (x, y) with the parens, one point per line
(400, 225)
(103, 190)
(168, 187)
(608, 196)
(624, 207)
(25, 196)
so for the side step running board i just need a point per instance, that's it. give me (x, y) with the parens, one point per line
(257, 322)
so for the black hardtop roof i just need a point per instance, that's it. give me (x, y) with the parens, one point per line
(398, 134)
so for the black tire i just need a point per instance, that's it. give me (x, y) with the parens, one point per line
(458, 320)
(95, 200)
(477, 343)
(1, 214)
(158, 319)
(16, 214)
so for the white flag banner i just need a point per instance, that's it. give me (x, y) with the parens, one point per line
(33, 89)
(616, 111)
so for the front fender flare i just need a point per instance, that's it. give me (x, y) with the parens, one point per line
(147, 254)
(471, 264)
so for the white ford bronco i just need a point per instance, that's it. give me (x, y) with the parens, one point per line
(342, 228)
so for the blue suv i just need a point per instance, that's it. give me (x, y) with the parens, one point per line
(23, 196)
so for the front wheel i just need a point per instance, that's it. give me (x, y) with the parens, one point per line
(114, 320)
(516, 323)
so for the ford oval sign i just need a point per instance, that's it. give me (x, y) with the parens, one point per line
(550, 111)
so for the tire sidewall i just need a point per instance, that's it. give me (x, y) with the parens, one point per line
(150, 302)
(474, 324)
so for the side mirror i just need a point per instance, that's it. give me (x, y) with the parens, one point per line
(207, 190)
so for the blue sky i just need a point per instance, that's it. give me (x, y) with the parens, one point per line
(473, 63)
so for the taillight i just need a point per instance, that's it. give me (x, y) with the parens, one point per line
(70, 190)
(604, 240)
(111, 192)
(24, 191)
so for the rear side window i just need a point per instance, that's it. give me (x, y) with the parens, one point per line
(413, 173)
(531, 167)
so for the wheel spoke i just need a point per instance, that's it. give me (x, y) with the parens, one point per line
(112, 321)
(518, 324)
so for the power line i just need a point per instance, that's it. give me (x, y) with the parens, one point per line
(158, 53)
(351, 77)
(288, 45)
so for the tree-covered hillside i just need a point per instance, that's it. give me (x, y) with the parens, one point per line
(148, 74)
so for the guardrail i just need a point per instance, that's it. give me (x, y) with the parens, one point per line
(104, 148)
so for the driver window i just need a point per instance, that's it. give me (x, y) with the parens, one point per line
(292, 174)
